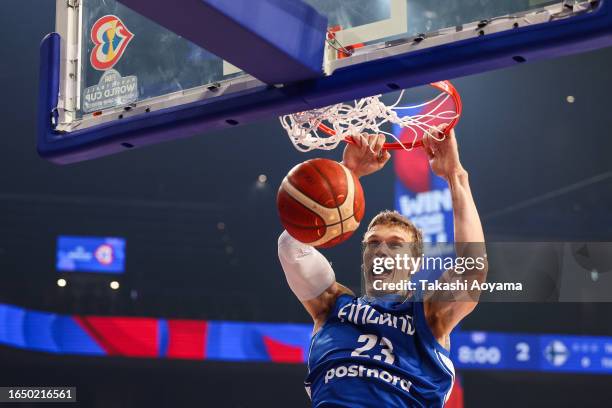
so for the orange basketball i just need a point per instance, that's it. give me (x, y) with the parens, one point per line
(320, 203)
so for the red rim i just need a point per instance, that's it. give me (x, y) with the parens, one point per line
(443, 86)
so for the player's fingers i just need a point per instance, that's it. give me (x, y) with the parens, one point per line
(363, 148)
(380, 141)
(358, 140)
(446, 139)
(438, 132)
(427, 142)
(384, 157)
(372, 142)
(430, 152)
(447, 134)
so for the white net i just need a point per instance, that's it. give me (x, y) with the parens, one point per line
(325, 128)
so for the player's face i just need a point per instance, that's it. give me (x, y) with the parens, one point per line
(386, 243)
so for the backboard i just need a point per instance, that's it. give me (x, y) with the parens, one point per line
(118, 75)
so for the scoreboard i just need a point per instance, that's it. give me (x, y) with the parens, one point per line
(532, 352)
(90, 254)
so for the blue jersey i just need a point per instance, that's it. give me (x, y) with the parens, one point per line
(377, 354)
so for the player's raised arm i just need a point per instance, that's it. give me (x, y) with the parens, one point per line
(445, 310)
(309, 275)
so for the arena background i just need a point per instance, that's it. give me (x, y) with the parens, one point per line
(520, 138)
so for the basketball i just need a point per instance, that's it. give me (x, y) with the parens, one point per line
(320, 203)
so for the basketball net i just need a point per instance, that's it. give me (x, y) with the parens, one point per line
(325, 128)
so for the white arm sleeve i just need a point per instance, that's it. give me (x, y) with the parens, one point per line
(307, 271)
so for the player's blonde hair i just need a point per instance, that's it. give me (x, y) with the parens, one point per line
(395, 219)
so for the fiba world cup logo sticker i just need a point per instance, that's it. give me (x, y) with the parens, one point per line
(111, 37)
(104, 254)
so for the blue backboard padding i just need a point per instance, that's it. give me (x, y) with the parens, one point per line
(244, 341)
(48, 87)
(276, 41)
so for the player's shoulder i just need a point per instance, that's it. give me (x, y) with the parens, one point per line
(344, 291)
(341, 296)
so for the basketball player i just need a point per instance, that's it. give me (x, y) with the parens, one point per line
(377, 351)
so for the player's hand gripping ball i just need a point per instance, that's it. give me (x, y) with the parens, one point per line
(320, 203)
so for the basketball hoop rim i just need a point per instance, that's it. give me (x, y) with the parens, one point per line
(445, 87)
